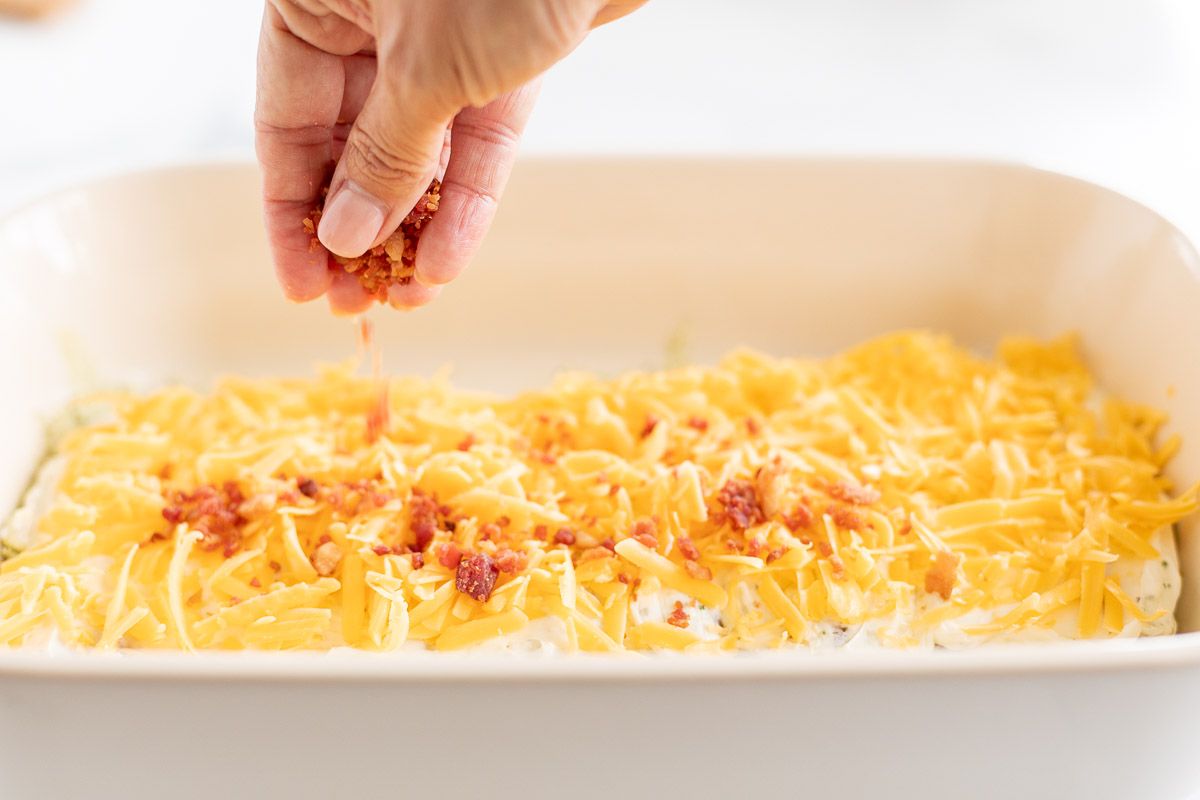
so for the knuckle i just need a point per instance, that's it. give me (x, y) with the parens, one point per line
(488, 130)
(371, 155)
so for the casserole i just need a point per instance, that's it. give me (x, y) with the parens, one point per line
(163, 275)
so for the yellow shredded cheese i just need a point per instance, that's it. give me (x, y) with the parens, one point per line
(905, 485)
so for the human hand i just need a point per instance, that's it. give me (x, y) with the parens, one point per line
(396, 92)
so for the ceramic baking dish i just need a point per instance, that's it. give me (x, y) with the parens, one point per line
(599, 264)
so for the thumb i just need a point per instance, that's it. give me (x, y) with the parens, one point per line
(391, 155)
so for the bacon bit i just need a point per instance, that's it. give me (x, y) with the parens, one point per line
(753, 426)
(613, 489)
(839, 566)
(274, 565)
(545, 457)
(381, 550)
(234, 600)
(379, 499)
(422, 518)
(740, 505)
(489, 531)
(623, 578)
(905, 528)
(466, 443)
(825, 549)
(608, 544)
(449, 555)
(942, 574)
(503, 522)
(593, 553)
(687, 548)
(157, 536)
(678, 617)
(651, 423)
(540, 532)
(307, 486)
(476, 577)
(697, 571)
(845, 518)
(645, 531)
(255, 582)
(511, 561)
(325, 537)
(418, 561)
(325, 559)
(391, 262)
(564, 536)
(755, 546)
(800, 517)
(165, 471)
(732, 545)
(698, 423)
(378, 417)
(214, 513)
(290, 497)
(853, 493)
(776, 554)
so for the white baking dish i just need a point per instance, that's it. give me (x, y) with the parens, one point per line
(598, 264)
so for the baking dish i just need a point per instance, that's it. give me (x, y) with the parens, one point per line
(605, 265)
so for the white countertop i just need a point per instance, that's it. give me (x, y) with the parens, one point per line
(1108, 90)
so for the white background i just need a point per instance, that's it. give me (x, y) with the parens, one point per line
(1104, 89)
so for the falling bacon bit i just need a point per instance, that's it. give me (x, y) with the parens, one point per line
(776, 554)
(564, 536)
(651, 423)
(540, 532)
(697, 571)
(511, 561)
(800, 517)
(489, 531)
(678, 617)
(381, 550)
(422, 518)
(687, 548)
(476, 576)
(753, 426)
(449, 555)
(698, 423)
(418, 561)
(255, 582)
(942, 574)
(307, 486)
(378, 417)
(467, 442)
(740, 505)
(853, 493)
(845, 518)
(392, 262)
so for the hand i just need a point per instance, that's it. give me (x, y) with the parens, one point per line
(398, 91)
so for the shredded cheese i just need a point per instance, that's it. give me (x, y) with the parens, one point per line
(905, 484)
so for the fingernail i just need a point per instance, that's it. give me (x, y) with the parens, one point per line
(350, 221)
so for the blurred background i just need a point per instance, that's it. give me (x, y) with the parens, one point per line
(1108, 90)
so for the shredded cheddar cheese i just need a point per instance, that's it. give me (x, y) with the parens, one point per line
(903, 485)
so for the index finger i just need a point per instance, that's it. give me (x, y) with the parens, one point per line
(298, 98)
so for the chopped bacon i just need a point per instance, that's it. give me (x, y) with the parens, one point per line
(905, 528)
(776, 554)
(740, 505)
(489, 531)
(698, 423)
(593, 553)
(540, 532)
(825, 549)
(511, 561)
(214, 513)
(503, 522)
(476, 576)
(646, 533)
(687, 548)
(326, 557)
(753, 426)
(274, 565)
(697, 571)
(799, 517)
(853, 493)
(418, 561)
(393, 261)
(845, 518)
(755, 546)
(467, 442)
(381, 550)
(678, 617)
(307, 486)
(608, 544)
(449, 555)
(423, 511)
(564, 536)
(942, 574)
(839, 566)
(651, 423)
(255, 582)
(172, 514)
